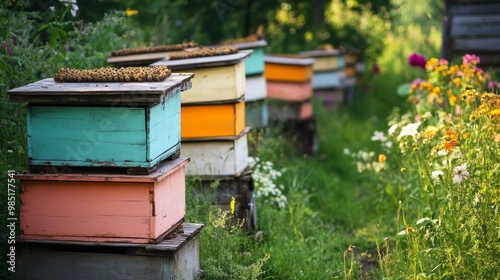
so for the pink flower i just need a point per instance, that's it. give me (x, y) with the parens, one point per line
(492, 85)
(470, 59)
(478, 70)
(443, 61)
(417, 60)
(7, 49)
(417, 82)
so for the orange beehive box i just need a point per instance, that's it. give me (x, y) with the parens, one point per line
(288, 69)
(212, 119)
(103, 207)
(289, 91)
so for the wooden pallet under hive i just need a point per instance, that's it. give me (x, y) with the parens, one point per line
(177, 258)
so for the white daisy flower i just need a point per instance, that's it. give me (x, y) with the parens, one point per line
(460, 173)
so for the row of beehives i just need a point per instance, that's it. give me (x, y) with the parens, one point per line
(137, 127)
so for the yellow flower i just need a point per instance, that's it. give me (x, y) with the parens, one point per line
(381, 158)
(232, 205)
(495, 113)
(131, 12)
(403, 169)
(452, 99)
(431, 132)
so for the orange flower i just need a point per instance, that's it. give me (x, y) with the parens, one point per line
(450, 145)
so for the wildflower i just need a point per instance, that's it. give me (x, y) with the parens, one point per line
(409, 130)
(431, 132)
(378, 136)
(178, 23)
(381, 158)
(403, 169)
(7, 49)
(443, 61)
(495, 113)
(449, 145)
(442, 152)
(492, 85)
(392, 129)
(436, 174)
(376, 69)
(470, 59)
(417, 60)
(460, 173)
(388, 144)
(232, 205)
(131, 12)
(409, 230)
(72, 4)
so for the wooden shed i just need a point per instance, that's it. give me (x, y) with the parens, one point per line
(472, 27)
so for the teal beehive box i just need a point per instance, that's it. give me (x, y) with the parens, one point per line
(254, 65)
(103, 124)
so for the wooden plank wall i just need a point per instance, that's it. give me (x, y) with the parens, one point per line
(472, 27)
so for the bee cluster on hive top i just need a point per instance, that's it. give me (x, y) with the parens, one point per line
(161, 48)
(203, 52)
(109, 74)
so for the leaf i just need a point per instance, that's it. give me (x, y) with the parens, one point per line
(425, 221)
(404, 89)
(6, 67)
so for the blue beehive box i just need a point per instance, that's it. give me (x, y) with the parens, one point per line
(113, 124)
(254, 65)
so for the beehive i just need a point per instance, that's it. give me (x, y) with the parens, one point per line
(288, 69)
(217, 156)
(218, 78)
(254, 65)
(103, 207)
(213, 119)
(93, 123)
(143, 56)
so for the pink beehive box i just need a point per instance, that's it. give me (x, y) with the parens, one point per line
(289, 91)
(103, 207)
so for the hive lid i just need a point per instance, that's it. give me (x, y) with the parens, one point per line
(288, 60)
(322, 53)
(250, 45)
(204, 62)
(47, 91)
(138, 59)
